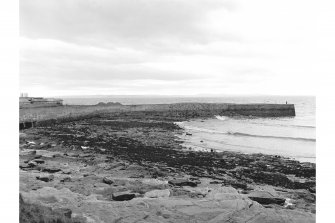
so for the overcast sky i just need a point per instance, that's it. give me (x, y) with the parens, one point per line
(167, 47)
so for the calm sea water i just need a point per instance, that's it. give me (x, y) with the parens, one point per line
(291, 137)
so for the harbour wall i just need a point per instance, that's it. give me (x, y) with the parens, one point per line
(30, 117)
(227, 109)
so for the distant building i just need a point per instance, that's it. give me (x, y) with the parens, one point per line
(24, 95)
(33, 102)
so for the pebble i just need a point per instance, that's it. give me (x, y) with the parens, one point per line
(107, 180)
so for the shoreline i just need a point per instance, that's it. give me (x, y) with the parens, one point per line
(191, 143)
(136, 157)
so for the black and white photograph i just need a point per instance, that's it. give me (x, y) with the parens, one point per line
(199, 111)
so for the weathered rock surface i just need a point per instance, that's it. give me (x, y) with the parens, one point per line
(170, 209)
(65, 211)
(157, 193)
(47, 154)
(183, 182)
(153, 179)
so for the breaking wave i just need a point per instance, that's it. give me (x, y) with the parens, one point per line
(284, 125)
(241, 134)
(222, 118)
(273, 137)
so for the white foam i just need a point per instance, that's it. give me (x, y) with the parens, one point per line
(222, 118)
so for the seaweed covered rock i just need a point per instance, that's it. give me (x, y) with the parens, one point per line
(183, 182)
(123, 196)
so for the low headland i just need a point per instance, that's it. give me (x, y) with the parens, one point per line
(116, 163)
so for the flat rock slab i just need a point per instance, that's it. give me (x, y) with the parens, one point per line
(38, 161)
(123, 196)
(28, 152)
(169, 209)
(183, 182)
(46, 178)
(264, 197)
(50, 169)
(24, 166)
(62, 198)
(154, 181)
(48, 154)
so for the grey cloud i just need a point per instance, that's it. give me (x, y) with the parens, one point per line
(121, 21)
(57, 72)
(52, 61)
(44, 52)
(249, 75)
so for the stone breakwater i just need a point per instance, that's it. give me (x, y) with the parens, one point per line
(130, 167)
(31, 116)
(209, 109)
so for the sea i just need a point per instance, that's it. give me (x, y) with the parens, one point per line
(291, 137)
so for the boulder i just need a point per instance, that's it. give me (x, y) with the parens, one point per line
(24, 166)
(66, 171)
(123, 196)
(157, 193)
(154, 182)
(71, 154)
(22, 135)
(45, 178)
(183, 182)
(243, 186)
(107, 180)
(50, 169)
(223, 193)
(64, 211)
(32, 163)
(203, 191)
(46, 153)
(85, 155)
(66, 179)
(38, 161)
(28, 152)
(288, 204)
(312, 189)
(215, 182)
(264, 197)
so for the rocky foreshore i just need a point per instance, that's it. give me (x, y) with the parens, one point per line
(131, 167)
